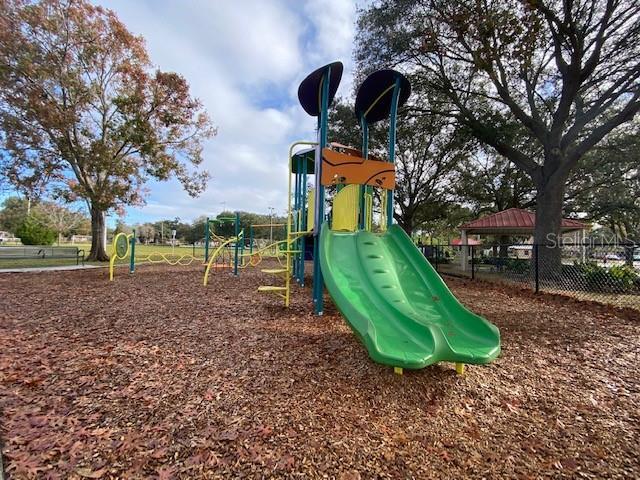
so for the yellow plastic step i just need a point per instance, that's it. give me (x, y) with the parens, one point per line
(274, 270)
(271, 288)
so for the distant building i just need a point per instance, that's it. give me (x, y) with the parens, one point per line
(80, 239)
(8, 237)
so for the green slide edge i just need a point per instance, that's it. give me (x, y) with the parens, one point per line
(398, 305)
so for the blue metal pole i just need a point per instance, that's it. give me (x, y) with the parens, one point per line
(132, 256)
(318, 283)
(365, 153)
(296, 208)
(237, 232)
(304, 221)
(206, 241)
(392, 145)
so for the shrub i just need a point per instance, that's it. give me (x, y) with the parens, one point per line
(32, 232)
(624, 276)
(619, 278)
(511, 265)
(517, 265)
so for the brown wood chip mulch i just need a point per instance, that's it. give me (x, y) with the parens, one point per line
(156, 376)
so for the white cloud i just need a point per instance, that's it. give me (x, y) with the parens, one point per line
(244, 60)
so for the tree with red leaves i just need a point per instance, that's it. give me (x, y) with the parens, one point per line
(84, 115)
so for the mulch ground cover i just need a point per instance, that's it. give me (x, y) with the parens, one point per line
(156, 376)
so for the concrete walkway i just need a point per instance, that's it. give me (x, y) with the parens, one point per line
(49, 269)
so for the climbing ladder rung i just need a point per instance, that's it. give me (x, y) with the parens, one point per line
(274, 271)
(271, 288)
(293, 251)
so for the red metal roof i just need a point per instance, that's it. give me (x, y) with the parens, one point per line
(515, 219)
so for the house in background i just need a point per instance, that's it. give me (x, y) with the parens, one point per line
(80, 239)
(8, 237)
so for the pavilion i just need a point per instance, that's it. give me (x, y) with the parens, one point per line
(513, 221)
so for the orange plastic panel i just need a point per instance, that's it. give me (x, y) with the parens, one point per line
(339, 168)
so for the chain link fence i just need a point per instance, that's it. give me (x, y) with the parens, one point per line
(606, 273)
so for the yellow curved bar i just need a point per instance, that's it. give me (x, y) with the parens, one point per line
(214, 255)
(259, 254)
(114, 252)
(216, 237)
(263, 249)
(170, 258)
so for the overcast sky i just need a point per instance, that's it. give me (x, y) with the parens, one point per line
(244, 59)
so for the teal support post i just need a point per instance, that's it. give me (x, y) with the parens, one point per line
(237, 233)
(132, 257)
(296, 215)
(303, 222)
(392, 145)
(318, 281)
(365, 154)
(250, 239)
(242, 248)
(206, 241)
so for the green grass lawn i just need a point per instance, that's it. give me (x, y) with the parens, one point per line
(141, 252)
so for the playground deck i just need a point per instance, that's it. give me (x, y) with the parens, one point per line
(155, 375)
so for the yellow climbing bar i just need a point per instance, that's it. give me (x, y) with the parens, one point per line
(274, 271)
(215, 253)
(271, 288)
(311, 205)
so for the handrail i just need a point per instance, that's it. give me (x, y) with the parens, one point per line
(258, 253)
(293, 237)
(216, 237)
(215, 254)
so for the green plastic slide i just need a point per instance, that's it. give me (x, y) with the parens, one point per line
(398, 305)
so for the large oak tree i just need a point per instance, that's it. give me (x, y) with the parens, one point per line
(565, 71)
(83, 111)
(428, 151)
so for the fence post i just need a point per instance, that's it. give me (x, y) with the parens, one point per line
(206, 240)
(473, 274)
(237, 234)
(132, 254)
(536, 267)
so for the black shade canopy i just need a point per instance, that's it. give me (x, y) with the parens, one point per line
(309, 92)
(376, 92)
(308, 155)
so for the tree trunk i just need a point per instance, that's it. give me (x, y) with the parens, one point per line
(405, 220)
(98, 227)
(503, 240)
(547, 235)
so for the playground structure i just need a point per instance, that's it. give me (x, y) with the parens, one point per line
(230, 251)
(389, 294)
(225, 257)
(124, 246)
(391, 297)
(221, 253)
